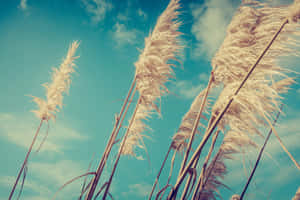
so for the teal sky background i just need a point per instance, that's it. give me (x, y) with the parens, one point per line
(35, 36)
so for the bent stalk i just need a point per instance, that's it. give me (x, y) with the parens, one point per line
(221, 114)
(120, 150)
(25, 160)
(110, 143)
(259, 156)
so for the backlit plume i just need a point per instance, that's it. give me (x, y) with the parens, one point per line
(61, 80)
(153, 70)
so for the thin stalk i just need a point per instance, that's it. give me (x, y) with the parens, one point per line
(159, 172)
(209, 173)
(259, 156)
(71, 181)
(188, 182)
(121, 149)
(186, 189)
(170, 173)
(109, 145)
(221, 114)
(200, 182)
(191, 139)
(85, 179)
(196, 123)
(25, 160)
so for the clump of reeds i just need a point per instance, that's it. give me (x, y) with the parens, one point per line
(246, 65)
(153, 70)
(61, 80)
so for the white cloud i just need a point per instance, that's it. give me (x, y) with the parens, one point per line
(210, 23)
(56, 173)
(186, 89)
(141, 13)
(203, 77)
(23, 4)
(46, 178)
(8, 181)
(123, 35)
(20, 130)
(140, 190)
(97, 9)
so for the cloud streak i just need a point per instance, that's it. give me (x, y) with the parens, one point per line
(23, 5)
(19, 131)
(122, 35)
(96, 9)
(210, 23)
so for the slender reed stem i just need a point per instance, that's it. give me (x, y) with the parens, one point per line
(187, 185)
(196, 123)
(160, 170)
(221, 114)
(109, 145)
(259, 156)
(191, 139)
(170, 173)
(25, 160)
(200, 182)
(120, 150)
(71, 181)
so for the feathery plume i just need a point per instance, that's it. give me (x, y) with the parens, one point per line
(247, 34)
(187, 123)
(297, 195)
(153, 70)
(61, 79)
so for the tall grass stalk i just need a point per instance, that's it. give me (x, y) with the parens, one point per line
(192, 135)
(61, 81)
(25, 160)
(113, 136)
(200, 182)
(196, 123)
(221, 114)
(159, 172)
(121, 150)
(259, 156)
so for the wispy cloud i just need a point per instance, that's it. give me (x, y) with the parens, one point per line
(19, 131)
(186, 89)
(97, 9)
(122, 35)
(140, 190)
(142, 14)
(23, 5)
(210, 22)
(8, 181)
(46, 178)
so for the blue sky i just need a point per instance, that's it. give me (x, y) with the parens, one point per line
(34, 37)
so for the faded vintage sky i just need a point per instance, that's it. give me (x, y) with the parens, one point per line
(34, 37)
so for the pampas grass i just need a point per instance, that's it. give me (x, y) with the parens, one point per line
(153, 70)
(230, 69)
(61, 80)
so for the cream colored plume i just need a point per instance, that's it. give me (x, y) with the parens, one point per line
(61, 79)
(153, 70)
(297, 195)
(187, 123)
(249, 32)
